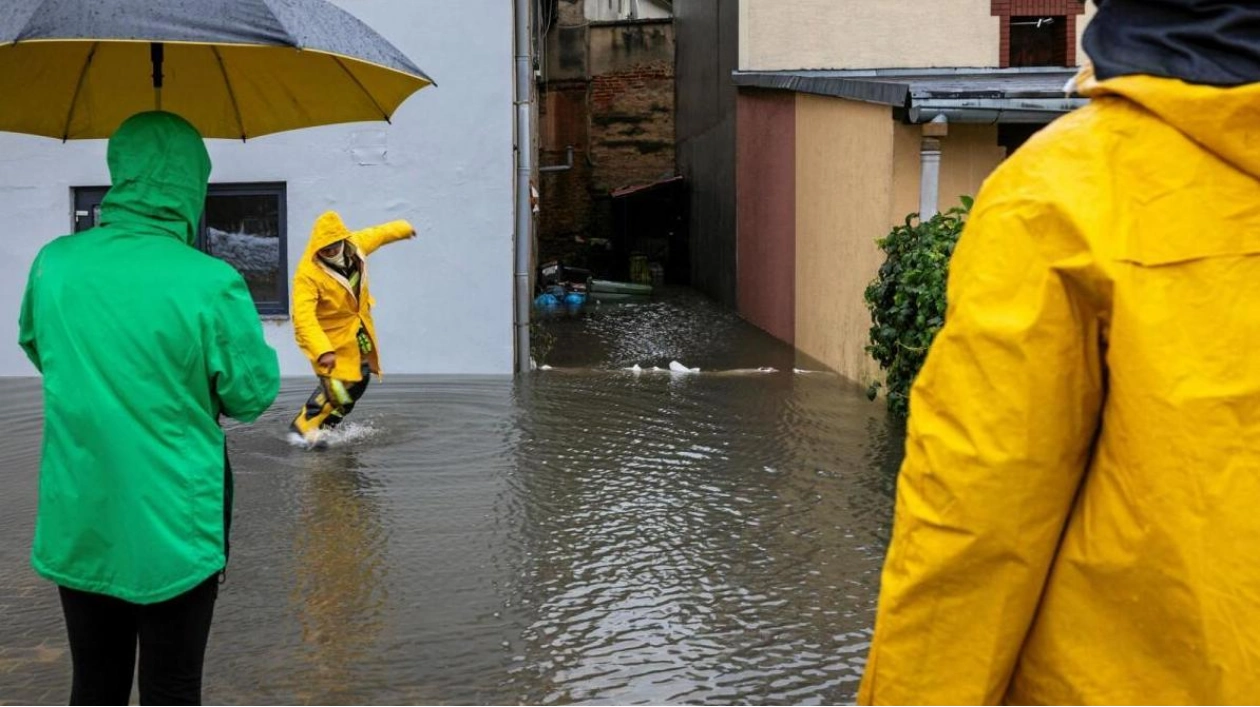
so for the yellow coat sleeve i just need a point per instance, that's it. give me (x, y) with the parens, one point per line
(369, 239)
(311, 337)
(1002, 421)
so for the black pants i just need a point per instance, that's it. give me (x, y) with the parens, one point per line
(172, 637)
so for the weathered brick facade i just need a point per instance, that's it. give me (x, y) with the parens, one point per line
(609, 92)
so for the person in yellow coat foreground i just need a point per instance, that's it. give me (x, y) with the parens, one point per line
(1078, 514)
(332, 318)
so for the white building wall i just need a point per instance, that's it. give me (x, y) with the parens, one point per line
(444, 300)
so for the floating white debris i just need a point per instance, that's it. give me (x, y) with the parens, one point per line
(634, 369)
(676, 367)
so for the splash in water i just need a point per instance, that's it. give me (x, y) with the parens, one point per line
(345, 434)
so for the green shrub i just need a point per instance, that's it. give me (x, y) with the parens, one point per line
(907, 298)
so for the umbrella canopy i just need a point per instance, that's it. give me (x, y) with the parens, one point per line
(75, 69)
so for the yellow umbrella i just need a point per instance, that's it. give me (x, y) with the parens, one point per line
(74, 69)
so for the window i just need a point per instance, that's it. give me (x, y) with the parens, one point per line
(1039, 41)
(243, 224)
(1037, 32)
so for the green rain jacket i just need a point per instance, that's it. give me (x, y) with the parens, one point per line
(143, 342)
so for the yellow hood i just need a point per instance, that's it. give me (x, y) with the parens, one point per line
(1225, 121)
(328, 229)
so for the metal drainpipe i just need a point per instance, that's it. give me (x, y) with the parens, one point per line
(930, 179)
(930, 167)
(568, 163)
(524, 173)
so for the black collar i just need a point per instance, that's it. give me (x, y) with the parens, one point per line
(1198, 41)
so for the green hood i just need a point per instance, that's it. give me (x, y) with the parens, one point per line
(159, 169)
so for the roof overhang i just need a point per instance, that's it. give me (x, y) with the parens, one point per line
(920, 95)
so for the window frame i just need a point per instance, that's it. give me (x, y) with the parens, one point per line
(1007, 10)
(85, 199)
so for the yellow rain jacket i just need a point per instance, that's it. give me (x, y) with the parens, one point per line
(326, 313)
(1078, 515)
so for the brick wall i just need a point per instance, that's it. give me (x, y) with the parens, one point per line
(632, 126)
(620, 120)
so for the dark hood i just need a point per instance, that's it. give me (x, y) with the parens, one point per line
(159, 169)
(1211, 42)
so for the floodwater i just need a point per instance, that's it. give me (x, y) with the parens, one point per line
(581, 535)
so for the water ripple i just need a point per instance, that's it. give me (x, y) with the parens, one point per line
(580, 536)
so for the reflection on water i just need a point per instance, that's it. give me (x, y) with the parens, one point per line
(579, 535)
(339, 588)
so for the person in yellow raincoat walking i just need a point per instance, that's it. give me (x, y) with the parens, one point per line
(332, 318)
(1078, 514)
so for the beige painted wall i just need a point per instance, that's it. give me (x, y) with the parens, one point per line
(968, 156)
(863, 34)
(844, 172)
(858, 175)
(906, 140)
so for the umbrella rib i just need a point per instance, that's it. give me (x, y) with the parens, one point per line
(362, 88)
(78, 89)
(227, 81)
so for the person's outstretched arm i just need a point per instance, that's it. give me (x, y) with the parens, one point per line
(369, 239)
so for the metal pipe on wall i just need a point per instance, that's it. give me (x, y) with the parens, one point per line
(930, 178)
(930, 167)
(568, 163)
(524, 236)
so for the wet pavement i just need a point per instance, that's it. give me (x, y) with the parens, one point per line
(584, 534)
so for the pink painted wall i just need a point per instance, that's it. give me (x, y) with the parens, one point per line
(766, 210)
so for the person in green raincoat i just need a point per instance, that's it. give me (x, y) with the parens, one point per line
(144, 342)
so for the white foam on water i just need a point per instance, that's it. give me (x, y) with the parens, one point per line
(679, 368)
(347, 433)
(676, 367)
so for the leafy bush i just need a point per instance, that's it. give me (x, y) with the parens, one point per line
(907, 298)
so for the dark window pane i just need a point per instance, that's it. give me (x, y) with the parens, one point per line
(87, 207)
(1039, 41)
(244, 228)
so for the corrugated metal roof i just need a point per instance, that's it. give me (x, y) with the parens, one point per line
(919, 90)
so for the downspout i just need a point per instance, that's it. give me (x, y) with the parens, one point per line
(930, 167)
(524, 173)
(568, 163)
